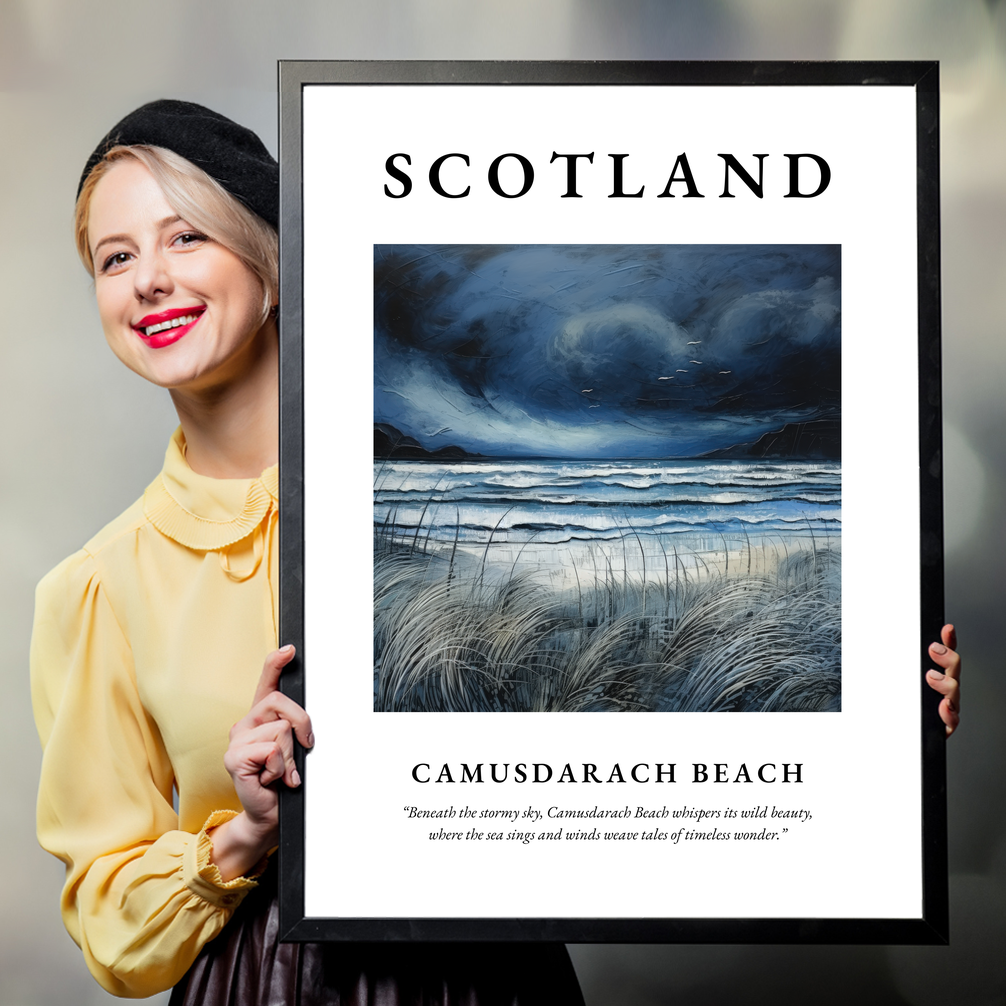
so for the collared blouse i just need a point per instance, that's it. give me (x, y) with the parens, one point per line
(147, 647)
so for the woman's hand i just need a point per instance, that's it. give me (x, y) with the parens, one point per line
(948, 681)
(260, 753)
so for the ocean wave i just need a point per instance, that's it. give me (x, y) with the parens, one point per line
(655, 502)
(601, 528)
(530, 475)
(529, 489)
(555, 501)
(557, 534)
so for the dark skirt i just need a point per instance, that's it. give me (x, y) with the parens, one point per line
(246, 965)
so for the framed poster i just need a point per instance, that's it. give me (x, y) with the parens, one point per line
(618, 630)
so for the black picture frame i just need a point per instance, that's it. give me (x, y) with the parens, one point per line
(931, 924)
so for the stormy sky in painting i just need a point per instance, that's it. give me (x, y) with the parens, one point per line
(604, 351)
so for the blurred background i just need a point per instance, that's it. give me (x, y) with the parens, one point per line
(84, 437)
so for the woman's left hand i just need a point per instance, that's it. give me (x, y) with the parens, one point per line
(260, 754)
(948, 681)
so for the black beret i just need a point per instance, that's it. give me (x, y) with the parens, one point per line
(231, 154)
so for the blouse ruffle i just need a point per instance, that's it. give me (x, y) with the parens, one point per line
(203, 513)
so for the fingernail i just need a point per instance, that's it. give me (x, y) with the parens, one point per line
(286, 649)
(951, 706)
(938, 648)
(936, 675)
(295, 777)
(310, 740)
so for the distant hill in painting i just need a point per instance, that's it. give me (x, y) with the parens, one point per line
(391, 444)
(820, 440)
(817, 441)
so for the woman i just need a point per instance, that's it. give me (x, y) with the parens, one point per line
(149, 642)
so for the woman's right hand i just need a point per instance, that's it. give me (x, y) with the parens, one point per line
(259, 754)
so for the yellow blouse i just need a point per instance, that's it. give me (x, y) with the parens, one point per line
(147, 647)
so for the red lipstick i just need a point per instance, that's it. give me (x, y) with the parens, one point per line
(165, 333)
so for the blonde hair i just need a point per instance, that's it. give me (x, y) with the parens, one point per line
(199, 200)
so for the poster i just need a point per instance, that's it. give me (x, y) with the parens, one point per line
(601, 388)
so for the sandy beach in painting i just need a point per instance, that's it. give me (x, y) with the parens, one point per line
(637, 559)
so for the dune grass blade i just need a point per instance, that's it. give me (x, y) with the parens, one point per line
(449, 637)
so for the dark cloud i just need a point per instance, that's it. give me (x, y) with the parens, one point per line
(640, 351)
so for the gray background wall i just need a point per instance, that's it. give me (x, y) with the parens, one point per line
(82, 436)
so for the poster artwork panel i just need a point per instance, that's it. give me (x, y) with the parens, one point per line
(607, 478)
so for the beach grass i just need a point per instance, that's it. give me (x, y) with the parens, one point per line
(755, 633)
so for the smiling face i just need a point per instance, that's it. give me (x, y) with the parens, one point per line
(177, 307)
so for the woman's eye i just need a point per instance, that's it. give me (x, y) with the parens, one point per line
(190, 238)
(114, 261)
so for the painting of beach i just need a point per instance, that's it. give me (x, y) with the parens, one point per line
(607, 478)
